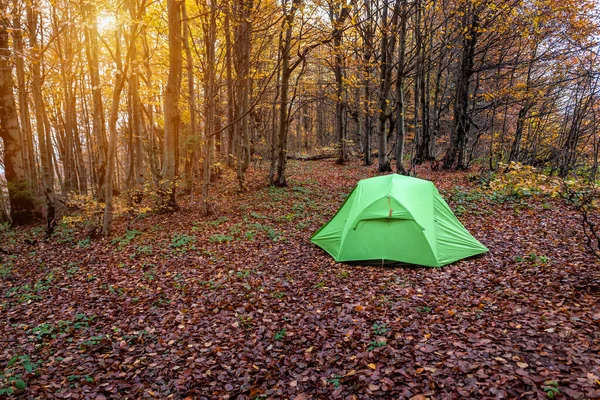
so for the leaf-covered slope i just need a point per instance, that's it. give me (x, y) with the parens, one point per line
(241, 305)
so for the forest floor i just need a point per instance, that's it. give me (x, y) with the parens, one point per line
(241, 305)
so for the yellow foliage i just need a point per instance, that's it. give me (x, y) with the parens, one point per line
(525, 180)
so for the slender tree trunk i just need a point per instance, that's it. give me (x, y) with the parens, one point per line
(100, 148)
(230, 89)
(210, 32)
(120, 78)
(172, 115)
(400, 109)
(137, 123)
(286, 70)
(280, 178)
(43, 134)
(454, 157)
(388, 43)
(274, 126)
(243, 36)
(189, 171)
(367, 69)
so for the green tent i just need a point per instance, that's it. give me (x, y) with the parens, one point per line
(396, 218)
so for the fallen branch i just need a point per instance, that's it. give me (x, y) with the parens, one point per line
(311, 158)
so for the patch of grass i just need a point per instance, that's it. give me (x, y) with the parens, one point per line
(424, 309)
(278, 295)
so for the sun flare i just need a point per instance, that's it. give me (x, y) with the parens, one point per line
(106, 22)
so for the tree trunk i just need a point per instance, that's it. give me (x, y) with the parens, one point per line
(172, 115)
(138, 128)
(22, 210)
(454, 157)
(286, 71)
(193, 142)
(242, 37)
(400, 109)
(26, 130)
(43, 134)
(120, 78)
(210, 32)
(388, 43)
(230, 92)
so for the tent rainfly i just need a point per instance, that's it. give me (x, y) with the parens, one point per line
(396, 218)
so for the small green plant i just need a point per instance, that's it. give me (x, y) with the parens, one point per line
(335, 381)
(280, 334)
(119, 291)
(218, 238)
(145, 250)
(182, 240)
(91, 342)
(11, 380)
(320, 285)
(5, 270)
(424, 309)
(243, 274)
(73, 269)
(219, 221)
(84, 243)
(63, 234)
(344, 274)
(278, 295)
(43, 330)
(551, 389)
(126, 238)
(149, 276)
(273, 234)
(82, 320)
(301, 225)
(380, 329)
(78, 378)
(375, 344)
(244, 321)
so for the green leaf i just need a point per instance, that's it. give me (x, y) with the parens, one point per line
(29, 366)
(20, 384)
(12, 361)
